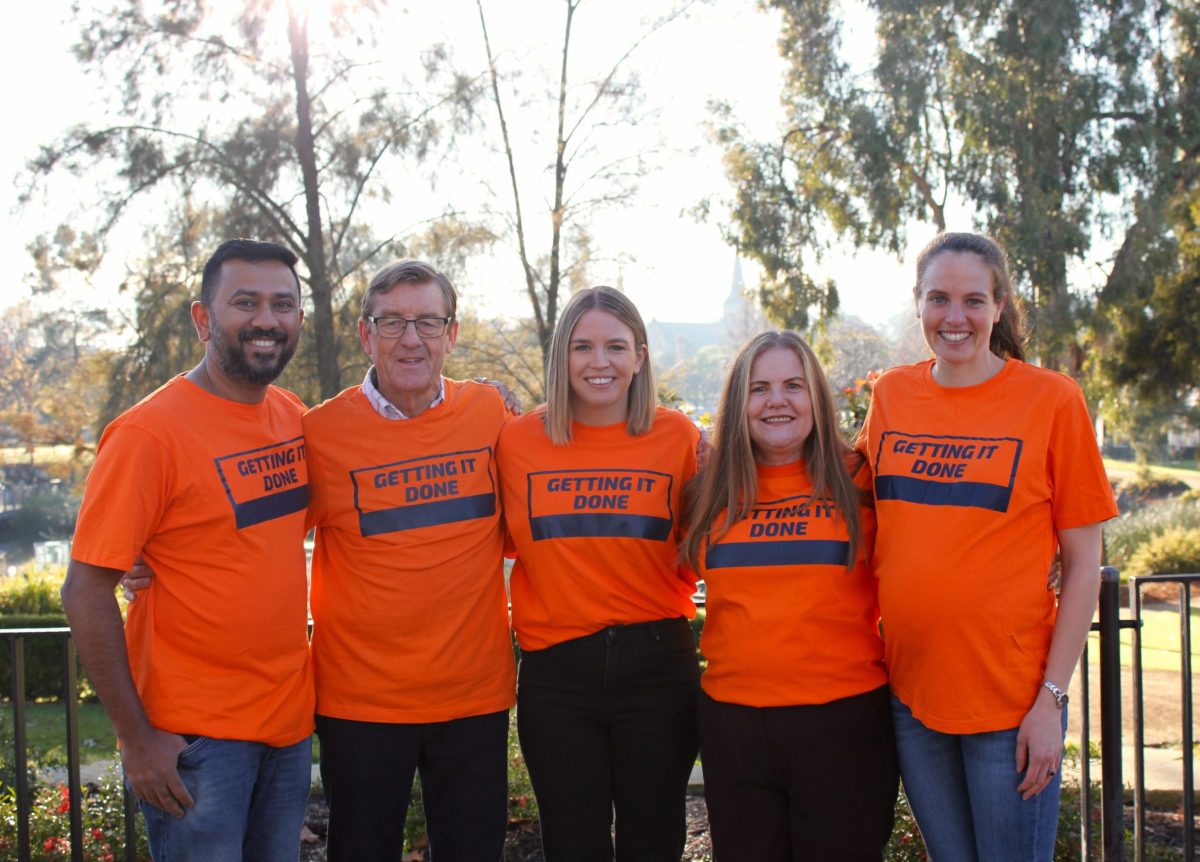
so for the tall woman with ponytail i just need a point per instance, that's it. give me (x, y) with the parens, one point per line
(984, 467)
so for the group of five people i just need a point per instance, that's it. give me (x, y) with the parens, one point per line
(972, 471)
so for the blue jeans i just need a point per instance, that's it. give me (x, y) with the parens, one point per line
(962, 789)
(250, 801)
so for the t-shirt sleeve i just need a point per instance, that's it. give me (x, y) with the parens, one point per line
(1080, 492)
(124, 500)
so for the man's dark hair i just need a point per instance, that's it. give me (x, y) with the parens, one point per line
(250, 250)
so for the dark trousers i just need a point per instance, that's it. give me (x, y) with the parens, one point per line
(607, 723)
(792, 783)
(367, 773)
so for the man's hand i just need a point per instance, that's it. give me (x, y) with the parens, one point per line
(511, 402)
(150, 767)
(136, 579)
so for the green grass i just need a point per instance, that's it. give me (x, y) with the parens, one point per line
(1160, 642)
(1188, 471)
(46, 725)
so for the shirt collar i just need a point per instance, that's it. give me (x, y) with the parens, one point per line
(386, 408)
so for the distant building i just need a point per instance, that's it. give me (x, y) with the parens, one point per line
(691, 359)
(675, 342)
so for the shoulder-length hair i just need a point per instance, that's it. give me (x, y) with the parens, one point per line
(642, 399)
(1008, 333)
(729, 483)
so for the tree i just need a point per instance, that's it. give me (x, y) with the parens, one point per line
(278, 143)
(51, 382)
(584, 116)
(1063, 126)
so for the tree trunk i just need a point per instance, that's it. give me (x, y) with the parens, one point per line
(328, 372)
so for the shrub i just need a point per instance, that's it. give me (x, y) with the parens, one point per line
(49, 824)
(32, 593)
(1146, 487)
(1175, 552)
(43, 657)
(1125, 534)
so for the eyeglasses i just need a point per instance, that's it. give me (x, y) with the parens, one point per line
(395, 327)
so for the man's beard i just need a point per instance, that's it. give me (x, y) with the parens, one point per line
(231, 357)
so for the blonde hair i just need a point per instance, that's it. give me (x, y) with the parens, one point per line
(642, 400)
(729, 483)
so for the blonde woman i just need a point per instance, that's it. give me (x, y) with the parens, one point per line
(607, 682)
(795, 726)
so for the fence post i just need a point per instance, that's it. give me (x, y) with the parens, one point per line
(74, 790)
(20, 760)
(1112, 805)
(1189, 778)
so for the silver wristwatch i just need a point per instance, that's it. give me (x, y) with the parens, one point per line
(1060, 696)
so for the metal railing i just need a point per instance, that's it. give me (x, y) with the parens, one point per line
(70, 701)
(1112, 815)
(1136, 585)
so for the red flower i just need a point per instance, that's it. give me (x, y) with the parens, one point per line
(65, 805)
(56, 845)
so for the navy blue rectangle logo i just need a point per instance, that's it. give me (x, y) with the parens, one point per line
(265, 483)
(944, 470)
(793, 552)
(623, 525)
(443, 488)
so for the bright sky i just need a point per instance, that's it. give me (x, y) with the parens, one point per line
(674, 268)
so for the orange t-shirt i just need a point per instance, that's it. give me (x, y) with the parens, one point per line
(971, 486)
(786, 623)
(595, 525)
(410, 617)
(211, 494)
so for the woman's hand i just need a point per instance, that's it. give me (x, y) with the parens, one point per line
(1039, 745)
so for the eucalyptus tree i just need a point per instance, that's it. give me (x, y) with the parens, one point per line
(1064, 129)
(278, 121)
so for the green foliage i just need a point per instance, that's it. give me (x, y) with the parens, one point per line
(905, 844)
(289, 140)
(1125, 534)
(1054, 124)
(43, 658)
(32, 592)
(49, 824)
(1174, 552)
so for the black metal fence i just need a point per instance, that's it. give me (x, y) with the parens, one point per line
(1112, 785)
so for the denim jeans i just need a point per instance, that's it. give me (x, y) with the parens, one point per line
(608, 724)
(963, 792)
(250, 801)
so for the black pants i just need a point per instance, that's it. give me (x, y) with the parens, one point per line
(792, 783)
(607, 722)
(367, 773)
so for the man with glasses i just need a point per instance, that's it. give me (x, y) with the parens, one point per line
(209, 685)
(411, 644)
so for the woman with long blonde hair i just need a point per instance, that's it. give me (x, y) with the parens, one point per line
(591, 485)
(795, 726)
